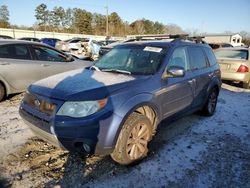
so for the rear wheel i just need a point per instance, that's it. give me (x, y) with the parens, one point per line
(210, 105)
(2, 92)
(132, 143)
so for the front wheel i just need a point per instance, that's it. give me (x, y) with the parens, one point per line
(132, 143)
(210, 105)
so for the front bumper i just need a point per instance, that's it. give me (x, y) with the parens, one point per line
(84, 135)
(235, 76)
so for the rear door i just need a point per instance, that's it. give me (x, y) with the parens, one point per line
(53, 61)
(177, 93)
(199, 66)
(17, 67)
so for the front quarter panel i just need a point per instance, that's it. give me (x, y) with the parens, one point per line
(110, 128)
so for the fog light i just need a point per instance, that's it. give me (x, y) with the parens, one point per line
(86, 147)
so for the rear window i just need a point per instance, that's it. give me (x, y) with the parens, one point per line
(233, 54)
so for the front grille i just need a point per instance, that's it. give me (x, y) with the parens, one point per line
(39, 104)
(35, 120)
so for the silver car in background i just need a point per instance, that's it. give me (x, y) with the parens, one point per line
(23, 63)
(234, 64)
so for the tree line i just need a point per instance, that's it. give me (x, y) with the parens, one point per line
(77, 20)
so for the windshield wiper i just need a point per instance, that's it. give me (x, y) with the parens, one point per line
(116, 70)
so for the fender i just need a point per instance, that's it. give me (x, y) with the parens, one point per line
(215, 82)
(132, 104)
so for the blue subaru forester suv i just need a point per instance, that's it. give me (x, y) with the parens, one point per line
(115, 106)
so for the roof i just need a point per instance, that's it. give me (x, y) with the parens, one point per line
(163, 43)
(13, 41)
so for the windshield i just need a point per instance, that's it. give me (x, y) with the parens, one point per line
(134, 59)
(234, 54)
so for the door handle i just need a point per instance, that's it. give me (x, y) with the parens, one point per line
(45, 65)
(4, 63)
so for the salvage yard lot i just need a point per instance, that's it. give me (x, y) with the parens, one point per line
(194, 151)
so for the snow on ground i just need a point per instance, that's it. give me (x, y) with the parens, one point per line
(194, 151)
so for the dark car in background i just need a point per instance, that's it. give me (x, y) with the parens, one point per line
(32, 39)
(220, 45)
(50, 41)
(115, 106)
(5, 37)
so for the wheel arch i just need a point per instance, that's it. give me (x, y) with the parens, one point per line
(145, 106)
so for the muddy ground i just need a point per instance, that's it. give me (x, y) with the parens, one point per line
(194, 151)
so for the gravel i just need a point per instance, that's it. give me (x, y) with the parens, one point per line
(194, 151)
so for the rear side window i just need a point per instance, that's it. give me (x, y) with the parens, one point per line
(211, 57)
(15, 51)
(197, 58)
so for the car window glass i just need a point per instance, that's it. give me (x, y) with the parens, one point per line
(234, 54)
(4, 51)
(47, 54)
(179, 58)
(15, 51)
(74, 41)
(197, 58)
(136, 59)
(211, 57)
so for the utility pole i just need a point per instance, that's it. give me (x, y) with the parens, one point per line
(107, 20)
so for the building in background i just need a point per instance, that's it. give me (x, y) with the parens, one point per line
(234, 39)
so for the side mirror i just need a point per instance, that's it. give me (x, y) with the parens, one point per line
(173, 72)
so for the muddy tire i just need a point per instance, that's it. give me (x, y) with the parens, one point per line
(211, 103)
(2, 92)
(132, 143)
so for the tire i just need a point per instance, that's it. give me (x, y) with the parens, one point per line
(133, 140)
(211, 103)
(246, 85)
(2, 92)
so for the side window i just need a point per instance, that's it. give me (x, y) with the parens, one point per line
(5, 51)
(197, 58)
(211, 57)
(46, 54)
(15, 51)
(180, 58)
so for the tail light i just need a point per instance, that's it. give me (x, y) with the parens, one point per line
(243, 68)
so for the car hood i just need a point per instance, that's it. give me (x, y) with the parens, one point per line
(83, 84)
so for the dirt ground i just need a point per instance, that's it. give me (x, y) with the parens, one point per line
(194, 151)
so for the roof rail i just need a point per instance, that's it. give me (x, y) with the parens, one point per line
(176, 37)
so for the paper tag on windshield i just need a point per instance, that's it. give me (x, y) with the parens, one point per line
(152, 49)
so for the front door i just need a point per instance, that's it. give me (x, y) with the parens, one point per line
(177, 93)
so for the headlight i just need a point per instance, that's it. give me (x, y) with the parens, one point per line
(81, 108)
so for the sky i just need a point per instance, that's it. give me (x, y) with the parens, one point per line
(210, 16)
